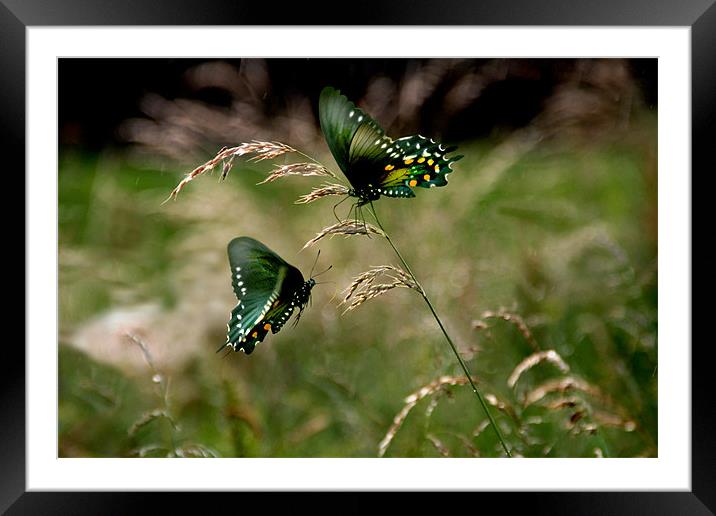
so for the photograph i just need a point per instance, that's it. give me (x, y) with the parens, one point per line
(379, 257)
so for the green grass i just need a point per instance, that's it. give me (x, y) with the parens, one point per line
(565, 238)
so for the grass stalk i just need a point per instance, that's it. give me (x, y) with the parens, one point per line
(445, 333)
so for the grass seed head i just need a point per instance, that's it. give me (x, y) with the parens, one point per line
(259, 150)
(297, 169)
(531, 361)
(410, 401)
(324, 191)
(364, 288)
(510, 317)
(346, 228)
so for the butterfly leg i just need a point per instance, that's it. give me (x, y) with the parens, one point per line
(356, 213)
(348, 216)
(298, 316)
(359, 210)
(336, 206)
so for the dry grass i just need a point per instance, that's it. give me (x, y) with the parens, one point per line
(259, 151)
(608, 419)
(324, 191)
(510, 317)
(298, 169)
(426, 390)
(364, 288)
(587, 407)
(147, 418)
(560, 385)
(345, 228)
(439, 446)
(159, 379)
(528, 363)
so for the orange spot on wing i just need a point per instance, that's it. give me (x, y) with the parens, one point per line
(426, 177)
(430, 162)
(408, 161)
(255, 334)
(412, 182)
(389, 167)
(421, 160)
(267, 326)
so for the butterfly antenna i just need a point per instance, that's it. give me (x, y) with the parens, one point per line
(310, 274)
(323, 272)
(222, 347)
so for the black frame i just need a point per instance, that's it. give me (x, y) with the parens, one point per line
(16, 15)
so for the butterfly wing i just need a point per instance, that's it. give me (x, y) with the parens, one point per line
(263, 283)
(370, 158)
(416, 161)
(356, 141)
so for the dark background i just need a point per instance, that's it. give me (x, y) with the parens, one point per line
(96, 95)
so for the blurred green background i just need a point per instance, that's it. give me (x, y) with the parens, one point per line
(542, 251)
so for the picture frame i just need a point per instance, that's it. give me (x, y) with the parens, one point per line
(16, 17)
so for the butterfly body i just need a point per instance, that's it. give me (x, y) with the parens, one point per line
(268, 290)
(375, 164)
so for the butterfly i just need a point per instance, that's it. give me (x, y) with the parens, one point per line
(268, 290)
(374, 163)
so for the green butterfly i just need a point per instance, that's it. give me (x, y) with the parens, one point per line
(374, 163)
(268, 291)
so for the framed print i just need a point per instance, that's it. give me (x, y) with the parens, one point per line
(484, 230)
